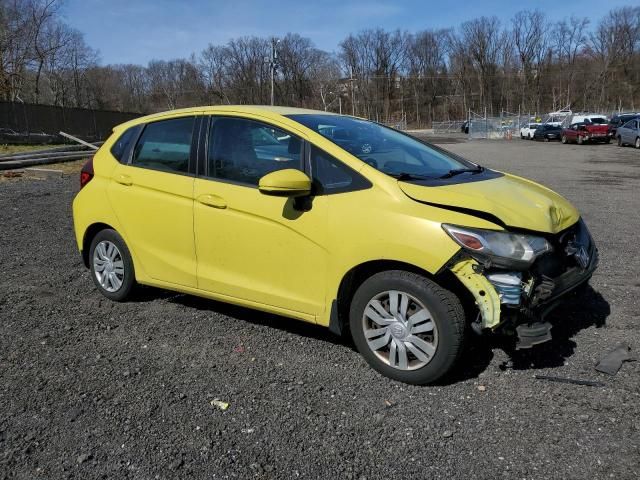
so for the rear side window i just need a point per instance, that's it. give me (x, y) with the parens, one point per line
(119, 148)
(332, 176)
(165, 145)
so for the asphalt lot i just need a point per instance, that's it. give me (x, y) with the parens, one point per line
(95, 389)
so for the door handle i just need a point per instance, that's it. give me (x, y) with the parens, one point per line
(212, 201)
(124, 180)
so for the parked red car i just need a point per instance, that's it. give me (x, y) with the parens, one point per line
(584, 132)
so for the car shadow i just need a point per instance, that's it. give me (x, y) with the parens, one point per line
(256, 317)
(577, 312)
(584, 309)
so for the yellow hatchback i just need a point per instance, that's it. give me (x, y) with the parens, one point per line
(333, 220)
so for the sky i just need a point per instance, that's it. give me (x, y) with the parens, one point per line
(136, 31)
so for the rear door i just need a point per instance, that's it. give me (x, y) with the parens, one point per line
(152, 196)
(631, 131)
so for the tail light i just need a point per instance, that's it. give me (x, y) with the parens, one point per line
(86, 174)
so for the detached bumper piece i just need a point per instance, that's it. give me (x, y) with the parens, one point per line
(519, 301)
(533, 334)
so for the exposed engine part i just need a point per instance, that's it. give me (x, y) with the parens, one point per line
(508, 285)
(476, 325)
(543, 290)
(533, 334)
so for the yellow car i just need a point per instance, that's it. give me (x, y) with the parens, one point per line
(333, 220)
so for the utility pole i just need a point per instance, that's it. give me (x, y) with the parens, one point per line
(273, 65)
(353, 99)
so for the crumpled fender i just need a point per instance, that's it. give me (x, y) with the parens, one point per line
(483, 292)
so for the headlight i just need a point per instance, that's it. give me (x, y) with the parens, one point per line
(502, 249)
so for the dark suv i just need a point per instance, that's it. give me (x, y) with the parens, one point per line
(619, 120)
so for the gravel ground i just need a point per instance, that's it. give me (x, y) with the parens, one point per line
(95, 389)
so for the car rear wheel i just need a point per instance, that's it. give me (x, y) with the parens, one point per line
(111, 265)
(580, 140)
(407, 327)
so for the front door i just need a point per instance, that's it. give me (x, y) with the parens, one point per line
(251, 246)
(152, 197)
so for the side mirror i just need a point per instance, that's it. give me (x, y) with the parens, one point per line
(285, 183)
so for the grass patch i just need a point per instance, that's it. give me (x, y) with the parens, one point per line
(7, 149)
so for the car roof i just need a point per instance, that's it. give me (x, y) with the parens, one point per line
(248, 109)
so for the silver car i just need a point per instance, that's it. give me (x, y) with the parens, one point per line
(629, 133)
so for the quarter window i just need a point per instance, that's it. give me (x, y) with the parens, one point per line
(165, 145)
(120, 146)
(244, 150)
(332, 176)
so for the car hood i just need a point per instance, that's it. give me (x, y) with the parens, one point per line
(514, 201)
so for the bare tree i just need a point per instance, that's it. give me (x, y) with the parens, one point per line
(482, 39)
(530, 38)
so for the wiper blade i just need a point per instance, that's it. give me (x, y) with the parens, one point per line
(458, 171)
(408, 176)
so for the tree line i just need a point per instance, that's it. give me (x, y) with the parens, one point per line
(531, 63)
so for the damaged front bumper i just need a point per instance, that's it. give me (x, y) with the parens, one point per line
(520, 300)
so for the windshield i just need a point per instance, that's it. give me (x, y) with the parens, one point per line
(596, 120)
(383, 148)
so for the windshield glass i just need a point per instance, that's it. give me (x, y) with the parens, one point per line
(598, 120)
(383, 148)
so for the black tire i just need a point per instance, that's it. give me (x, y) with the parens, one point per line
(620, 141)
(446, 313)
(129, 280)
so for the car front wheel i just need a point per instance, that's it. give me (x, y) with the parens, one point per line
(407, 327)
(638, 142)
(564, 139)
(111, 265)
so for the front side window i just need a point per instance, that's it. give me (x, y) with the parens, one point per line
(165, 145)
(383, 148)
(243, 151)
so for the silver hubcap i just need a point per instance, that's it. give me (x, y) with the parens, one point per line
(400, 330)
(108, 266)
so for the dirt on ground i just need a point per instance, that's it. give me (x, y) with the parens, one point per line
(90, 388)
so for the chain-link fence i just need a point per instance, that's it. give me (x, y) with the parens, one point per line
(449, 126)
(505, 126)
(399, 123)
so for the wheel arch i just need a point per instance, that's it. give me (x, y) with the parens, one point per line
(352, 279)
(89, 234)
